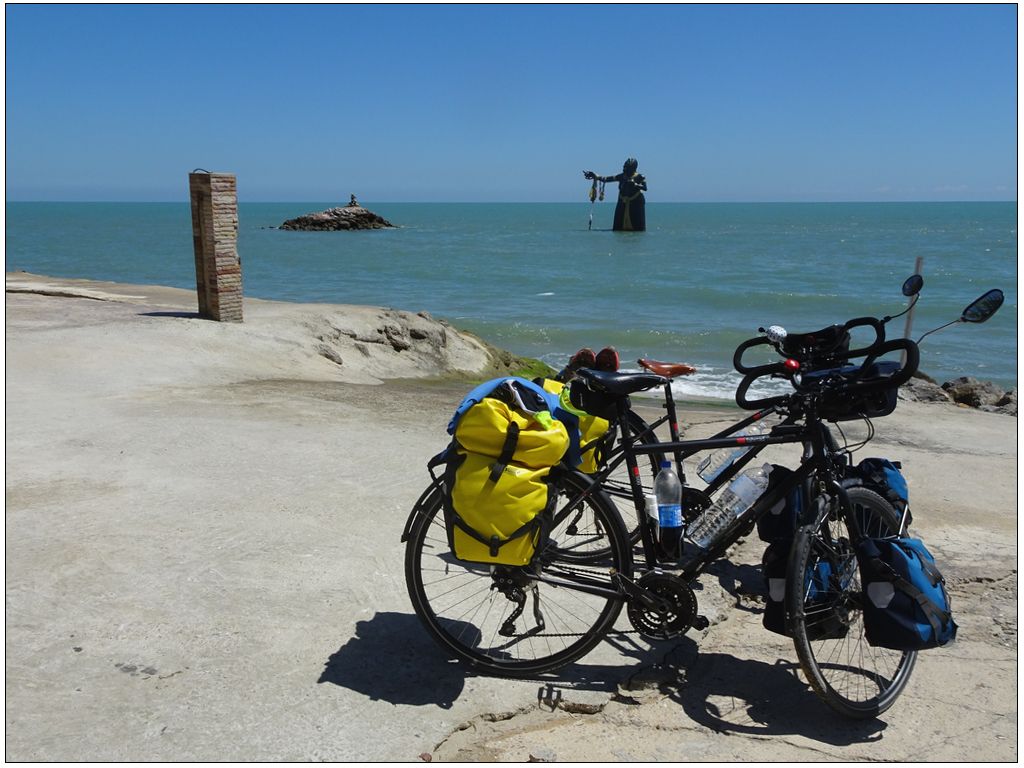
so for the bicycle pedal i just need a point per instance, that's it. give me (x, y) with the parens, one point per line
(700, 622)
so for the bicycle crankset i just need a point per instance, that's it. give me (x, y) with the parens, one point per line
(665, 609)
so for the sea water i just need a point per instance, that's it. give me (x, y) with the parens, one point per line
(536, 279)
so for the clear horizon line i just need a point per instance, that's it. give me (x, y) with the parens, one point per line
(547, 202)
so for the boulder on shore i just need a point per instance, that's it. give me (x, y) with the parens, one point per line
(983, 395)
(966, 392)
(333, 219)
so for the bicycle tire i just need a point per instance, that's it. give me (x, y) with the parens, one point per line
(463, 607)
(617, 484)
(855, 679)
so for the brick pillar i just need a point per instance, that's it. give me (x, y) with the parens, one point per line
(215, 240)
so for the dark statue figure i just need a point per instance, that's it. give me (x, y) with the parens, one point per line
(629, 210)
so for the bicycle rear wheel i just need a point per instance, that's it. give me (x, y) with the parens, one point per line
(855, 679)
(504, 620)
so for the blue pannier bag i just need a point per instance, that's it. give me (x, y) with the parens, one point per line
(884, 478)
(906, 606)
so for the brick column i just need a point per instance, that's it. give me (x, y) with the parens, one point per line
(215, 240)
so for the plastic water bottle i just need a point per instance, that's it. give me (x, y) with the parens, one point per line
(736, 499)
(668, 492)
(723, 458)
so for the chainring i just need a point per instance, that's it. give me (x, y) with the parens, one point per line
(675, 618)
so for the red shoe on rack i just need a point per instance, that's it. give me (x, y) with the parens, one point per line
(584, 358)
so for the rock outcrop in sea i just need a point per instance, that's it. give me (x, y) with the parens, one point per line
(341, 218)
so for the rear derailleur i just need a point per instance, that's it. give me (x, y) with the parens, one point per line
(514, 583)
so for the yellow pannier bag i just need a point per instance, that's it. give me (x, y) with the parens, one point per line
(497, 481)
(593, 429)
(497, 521)
(542, 441)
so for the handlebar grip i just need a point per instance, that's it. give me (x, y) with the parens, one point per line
(906, 371)
(738, 354)
(874, 322)
(752, 375)
(879, 328)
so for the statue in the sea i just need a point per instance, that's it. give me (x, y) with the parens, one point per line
(629, 210)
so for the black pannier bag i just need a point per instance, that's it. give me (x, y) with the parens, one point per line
(778, 527)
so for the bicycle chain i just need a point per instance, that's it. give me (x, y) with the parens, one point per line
(578, 570)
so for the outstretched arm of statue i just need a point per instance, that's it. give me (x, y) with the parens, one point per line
(590, 175)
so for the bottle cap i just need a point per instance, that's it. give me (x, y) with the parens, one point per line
(665, 463)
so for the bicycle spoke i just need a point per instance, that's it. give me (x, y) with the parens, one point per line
(852, 676)
(501, 618)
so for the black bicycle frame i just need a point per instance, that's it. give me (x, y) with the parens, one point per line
(819, 446)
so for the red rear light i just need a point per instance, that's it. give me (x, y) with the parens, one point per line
(793, 365)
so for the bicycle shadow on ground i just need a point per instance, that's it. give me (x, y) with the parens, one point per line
(758, 698)
(392, 658)
(753, 697)
(636, 657)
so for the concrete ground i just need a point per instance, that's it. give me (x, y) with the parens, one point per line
(203, 564)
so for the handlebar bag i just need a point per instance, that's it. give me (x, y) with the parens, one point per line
(819, 347)
(497, 496)
(906, 606)
(846, 406)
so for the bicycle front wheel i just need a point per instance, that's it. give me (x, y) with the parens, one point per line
(507, 621)
(823, 602)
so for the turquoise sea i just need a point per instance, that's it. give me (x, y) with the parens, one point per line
(532, 277)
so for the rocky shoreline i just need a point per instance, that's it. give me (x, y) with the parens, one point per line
(965, 391)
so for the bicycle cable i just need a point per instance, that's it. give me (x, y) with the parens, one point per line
(857, 446)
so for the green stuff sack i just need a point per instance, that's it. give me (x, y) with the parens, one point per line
(497, 482)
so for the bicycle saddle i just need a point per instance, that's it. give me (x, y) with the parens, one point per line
(620, 384)
(668, 370)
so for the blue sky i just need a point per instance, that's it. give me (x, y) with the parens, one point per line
(512, 102)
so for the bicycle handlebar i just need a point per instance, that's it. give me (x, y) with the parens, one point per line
(842, 384)
(822, 346)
